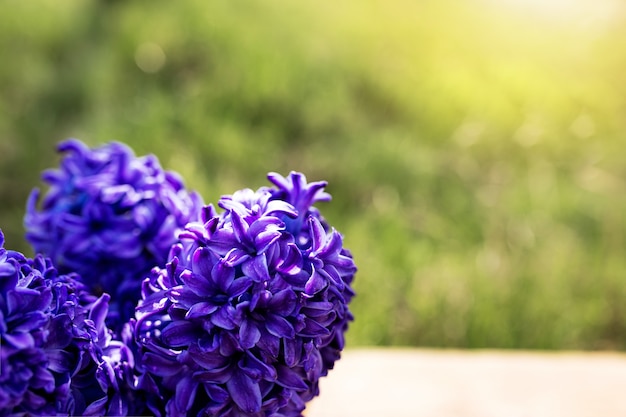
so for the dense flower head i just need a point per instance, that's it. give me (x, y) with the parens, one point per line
(111, 217)
(251, 308)
(50, 338)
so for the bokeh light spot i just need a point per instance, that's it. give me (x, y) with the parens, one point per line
(150, 57)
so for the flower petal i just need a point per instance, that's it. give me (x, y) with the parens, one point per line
(202, 309)
(185, 393)
(263, 240)
(279, 326)
(208, 360)
(19, 340)
(244, 392)
(197, 283)
(202, 262)
(249, 334)
(313, 329)
(224, 317)
(317, 233)
(160, 365)
(315, 283)
(97, 408)
(289, 378)
(278, 206)
(291, 259)
(257, 369)
(283, 302)
(215, 392)
(292, 349)
(60, 360)
(332, 246)
(180, 333)
(240, 228)
(223, 275)
(235, 256)
(256, 268)
(60, 333)
(239, 286)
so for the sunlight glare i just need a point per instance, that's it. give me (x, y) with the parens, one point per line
(585, 12)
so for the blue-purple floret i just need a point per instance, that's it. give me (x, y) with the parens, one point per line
(118, 386)
(110, 217)
(251, 309)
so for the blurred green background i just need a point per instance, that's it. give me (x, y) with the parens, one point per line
(474, 149)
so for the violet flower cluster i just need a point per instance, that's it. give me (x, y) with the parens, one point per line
(54, 347)
(251, 309)
(143, 301)
(110, 217)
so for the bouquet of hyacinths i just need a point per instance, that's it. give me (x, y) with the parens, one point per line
(144, 301)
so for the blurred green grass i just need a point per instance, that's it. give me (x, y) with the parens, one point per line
(474, 150)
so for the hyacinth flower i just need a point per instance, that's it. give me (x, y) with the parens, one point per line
(114, 384)
(53, 341)
(251, 308)
(110, 217)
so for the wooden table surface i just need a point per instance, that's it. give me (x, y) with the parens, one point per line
(440, 383)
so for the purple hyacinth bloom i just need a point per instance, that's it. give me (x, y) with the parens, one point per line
(110, 217)
(251, 309)
(115, 384)
(49, 338)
